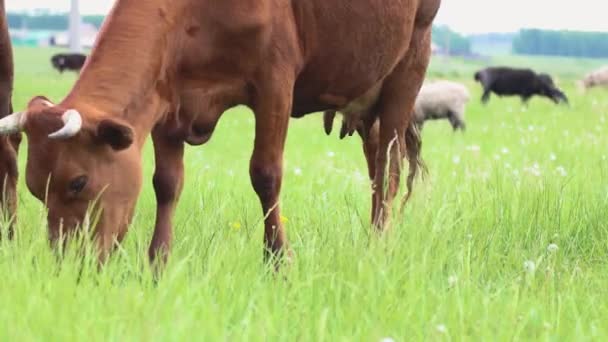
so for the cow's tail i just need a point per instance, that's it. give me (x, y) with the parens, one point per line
(413, 147)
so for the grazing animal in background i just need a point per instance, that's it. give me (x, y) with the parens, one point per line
(442, 100)
(9, 145)
(597, 78)
(436, 100)
(505, 81)
(68, 61)
(170, 68)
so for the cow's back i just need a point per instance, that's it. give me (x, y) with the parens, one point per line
(349, 46)
(509, 81)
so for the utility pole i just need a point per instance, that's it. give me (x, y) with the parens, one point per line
(74, 30)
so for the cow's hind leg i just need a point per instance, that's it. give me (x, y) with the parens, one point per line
(272, 110)
(369, 132)
(168, 182)
(398, 136)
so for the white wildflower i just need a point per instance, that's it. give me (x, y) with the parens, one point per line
(496, 157)
(529, 266)
(562, 171)
(534, 170)
(441, 328)
(452, 280)
(505, 150)
(552, 248)
(552, 157)
(359, 176)
(297, 171)
(473, 148)
(456, 159)
(387, 339)
(331, 154)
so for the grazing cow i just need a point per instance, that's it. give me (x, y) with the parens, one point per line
(68, 61)
(521, 82)
(9, 145)
(170, 68)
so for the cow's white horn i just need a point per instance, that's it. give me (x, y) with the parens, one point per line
(12, 123)
(72, 123)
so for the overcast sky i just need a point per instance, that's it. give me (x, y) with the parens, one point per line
(466, 16)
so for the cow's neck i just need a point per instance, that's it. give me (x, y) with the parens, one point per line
(127, 67)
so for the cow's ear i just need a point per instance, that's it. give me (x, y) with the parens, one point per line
(119, 135)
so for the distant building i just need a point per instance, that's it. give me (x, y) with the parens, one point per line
(25, 37)
(88, 34)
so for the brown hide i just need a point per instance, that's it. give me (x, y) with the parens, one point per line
(8, 144)
(170, 68)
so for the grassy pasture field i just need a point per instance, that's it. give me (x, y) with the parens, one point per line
(506, 238)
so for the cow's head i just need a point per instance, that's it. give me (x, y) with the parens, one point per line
(58, 61)
(548, 89)
(73, 162)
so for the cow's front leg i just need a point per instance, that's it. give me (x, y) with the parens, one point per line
(168, 182)
(8, 182)
(368, 132)
(9, 147)
(272, 112)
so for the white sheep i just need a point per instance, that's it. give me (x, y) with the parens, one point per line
(442, 100)
(436, 100)
(595, 78)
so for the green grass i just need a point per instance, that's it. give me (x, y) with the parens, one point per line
(497, 196)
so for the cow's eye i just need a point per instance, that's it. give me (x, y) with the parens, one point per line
(77, 184)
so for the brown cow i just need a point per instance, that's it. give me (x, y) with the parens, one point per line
(8, 144)
(175, 78)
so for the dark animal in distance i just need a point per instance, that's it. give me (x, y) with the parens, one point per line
(68, 61)
(9, 145)
(525, 83)
(171, 68)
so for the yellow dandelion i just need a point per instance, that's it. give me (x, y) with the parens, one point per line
(284, 219)
(236, 225)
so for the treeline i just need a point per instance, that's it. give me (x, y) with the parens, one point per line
(448, 40)
(451, 42)
(561, 43)
(47, 21)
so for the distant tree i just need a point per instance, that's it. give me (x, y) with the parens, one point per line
(47, 21)
(561, 43)
(447, 39)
